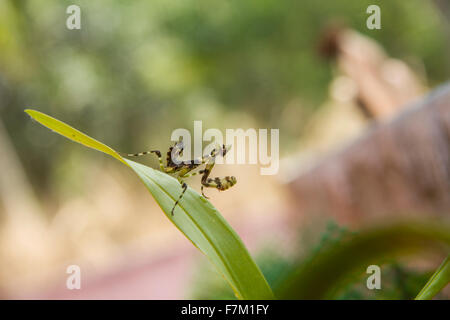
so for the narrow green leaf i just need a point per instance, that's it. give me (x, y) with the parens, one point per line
(195, 217)
(437, 282)
(71, 133)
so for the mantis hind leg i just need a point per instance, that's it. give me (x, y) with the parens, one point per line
(184, 186)
(203, 193)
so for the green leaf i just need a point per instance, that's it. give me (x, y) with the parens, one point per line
(323, 274)
(195, 217)
(71, 133)
(437, 282)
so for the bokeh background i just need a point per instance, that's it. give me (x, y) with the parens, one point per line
(138, 70)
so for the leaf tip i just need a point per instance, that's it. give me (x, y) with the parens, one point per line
(30, 112)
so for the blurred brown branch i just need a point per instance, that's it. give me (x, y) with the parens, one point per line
(399, 166)
(384, 85)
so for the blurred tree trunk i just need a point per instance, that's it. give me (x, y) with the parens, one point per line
(398, 168)
(23, 231)
(16, 194)
(444, 7)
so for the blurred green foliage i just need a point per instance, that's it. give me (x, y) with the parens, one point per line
(317, 266)
(139, 69)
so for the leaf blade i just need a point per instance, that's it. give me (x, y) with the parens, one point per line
(438, 281)
(71, 133)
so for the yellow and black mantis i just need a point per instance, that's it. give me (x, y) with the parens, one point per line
(182, 169)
